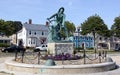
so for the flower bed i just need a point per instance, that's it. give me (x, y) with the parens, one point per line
(62, 57)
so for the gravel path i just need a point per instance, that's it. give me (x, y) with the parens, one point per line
(3, 58)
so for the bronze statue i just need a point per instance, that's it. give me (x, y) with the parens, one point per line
(58, 20)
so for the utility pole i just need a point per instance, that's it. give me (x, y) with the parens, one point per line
(78, 29)
(94, 41)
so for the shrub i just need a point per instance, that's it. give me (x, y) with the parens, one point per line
(91, 48)
(4, 45)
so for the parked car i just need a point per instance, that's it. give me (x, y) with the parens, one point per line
(13, 49)
(43, 47)
(117, 49)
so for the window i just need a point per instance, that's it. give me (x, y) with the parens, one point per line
(80, 37)
(83, 38)
(86, 38)
(29, 41)
(74, 44)
(33, 41)
(115, 39)
(87, 44)
(30, 32)
(90, 38)
(91, 44)
(105, 38)
(74, 37)
(42, 33)
(100, 38)
(35, 33)
(5, 41)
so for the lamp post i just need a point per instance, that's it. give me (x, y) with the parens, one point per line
(94, 41)
(78, 36)
(114, 40)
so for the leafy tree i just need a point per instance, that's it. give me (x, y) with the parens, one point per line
(17, 26)
(94, 24)
(1, 27)
(70, 27)
(115, 29)
(9, 27)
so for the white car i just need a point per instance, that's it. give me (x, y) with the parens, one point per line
(43, 47)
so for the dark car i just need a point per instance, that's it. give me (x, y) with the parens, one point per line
(117, 49)
(13, 49)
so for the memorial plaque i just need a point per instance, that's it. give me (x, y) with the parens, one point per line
(59, 48)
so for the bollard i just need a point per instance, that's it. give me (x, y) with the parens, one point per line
(99, 57)
(16, 54)
(105, 54)
(62, 58)
(22, 55)
(39, 57)
(84, 55)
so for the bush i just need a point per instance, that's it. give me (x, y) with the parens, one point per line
(4, 45)
(91, 48)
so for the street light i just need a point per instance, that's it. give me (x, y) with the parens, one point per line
(93, 31)
(78, 35)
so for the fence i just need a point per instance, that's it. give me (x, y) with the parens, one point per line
(30, 57)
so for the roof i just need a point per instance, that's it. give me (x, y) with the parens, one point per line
(35, 27)
(5, 38)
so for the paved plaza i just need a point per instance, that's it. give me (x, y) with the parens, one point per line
(115, 57)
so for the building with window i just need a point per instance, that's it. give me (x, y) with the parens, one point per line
(83, 41)
(4, 39)
(109, 43)
(33, 35)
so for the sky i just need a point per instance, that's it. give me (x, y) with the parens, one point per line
(77, 11)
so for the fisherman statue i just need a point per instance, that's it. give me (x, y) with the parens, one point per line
(57, 28)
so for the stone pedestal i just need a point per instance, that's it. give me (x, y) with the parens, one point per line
(59, 48)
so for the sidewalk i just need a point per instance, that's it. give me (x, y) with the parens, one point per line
(3, 71)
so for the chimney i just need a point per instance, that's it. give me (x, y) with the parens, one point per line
(30, 21)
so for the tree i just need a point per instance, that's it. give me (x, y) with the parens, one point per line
(95, 25)
(17, 27)
(10, 27)
(70, 27)
(115, 29)
(1, 27)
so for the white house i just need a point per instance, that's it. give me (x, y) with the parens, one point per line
(5, 39)
(110, 43)
(33, 35)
